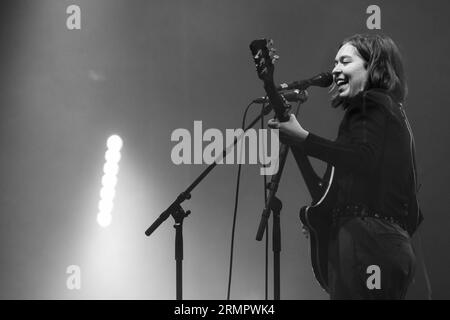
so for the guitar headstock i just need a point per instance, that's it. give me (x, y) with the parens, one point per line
(264, 57)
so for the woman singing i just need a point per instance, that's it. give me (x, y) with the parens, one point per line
(373, 157)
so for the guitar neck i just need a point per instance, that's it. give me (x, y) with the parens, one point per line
(279, 104)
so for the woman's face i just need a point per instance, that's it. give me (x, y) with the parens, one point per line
(350, 74)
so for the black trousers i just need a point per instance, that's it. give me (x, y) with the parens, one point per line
(369, 258)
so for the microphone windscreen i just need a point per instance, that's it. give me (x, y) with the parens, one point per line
(324, 80)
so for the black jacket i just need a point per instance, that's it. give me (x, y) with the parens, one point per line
(372, 154)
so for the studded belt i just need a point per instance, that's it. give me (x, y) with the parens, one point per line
(361, 211)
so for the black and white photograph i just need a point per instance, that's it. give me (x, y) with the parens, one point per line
(224, 150)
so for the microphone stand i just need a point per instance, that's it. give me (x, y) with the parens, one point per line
(275, 205)
(177, 212)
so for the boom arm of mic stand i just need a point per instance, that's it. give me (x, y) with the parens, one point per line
(187, 193)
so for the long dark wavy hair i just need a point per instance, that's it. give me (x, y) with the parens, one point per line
(383, 63)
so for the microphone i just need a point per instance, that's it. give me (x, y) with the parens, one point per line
(290, 96)
(323, 80)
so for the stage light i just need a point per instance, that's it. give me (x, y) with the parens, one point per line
(109, 180)
(105, 206)
(111, 168)
(107, 193)
(104, 219)
(114, 143)
(112, 156)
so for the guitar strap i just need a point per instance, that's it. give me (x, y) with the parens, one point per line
(416, 190)
(414, 167)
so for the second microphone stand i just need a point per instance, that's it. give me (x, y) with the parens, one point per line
(273, 204)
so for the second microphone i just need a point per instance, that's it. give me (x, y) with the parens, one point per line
(290, 96)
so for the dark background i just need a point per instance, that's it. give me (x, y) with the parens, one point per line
(142, 69)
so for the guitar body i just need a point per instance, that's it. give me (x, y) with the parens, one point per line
(317, 218)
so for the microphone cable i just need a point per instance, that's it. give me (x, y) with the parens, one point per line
(236, 201)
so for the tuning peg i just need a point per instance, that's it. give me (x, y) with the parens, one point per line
(275, 58)
(258, 54)
(272, 52)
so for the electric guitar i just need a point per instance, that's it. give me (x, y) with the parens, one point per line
(317, 216)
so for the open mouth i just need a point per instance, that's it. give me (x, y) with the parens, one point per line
(342, 83)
